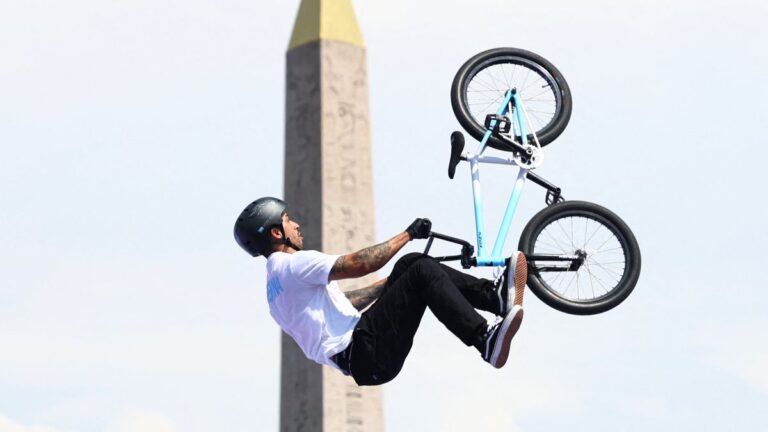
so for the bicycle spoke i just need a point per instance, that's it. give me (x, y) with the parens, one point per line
(578, 291)
(591, 283)
(548, 101)
(558, 276)
(537, 118)
(591, 280)
(609, 271)
(597, 228)
(568, 287)
(548, 91)
(603, 244)
(504, 73)
(610, 251)
(600, 281)
(492, 76)
(565, 232)
(571, 237)
(485, 103)
(495, 101)
(527, 74)
(483, 83)
(487, 87)
(563, 250)
(481, 90)
(547, 246)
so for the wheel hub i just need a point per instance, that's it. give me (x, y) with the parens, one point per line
(581, 257)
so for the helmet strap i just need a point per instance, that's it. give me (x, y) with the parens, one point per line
(285, 240)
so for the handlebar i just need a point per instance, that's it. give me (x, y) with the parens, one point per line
(467, 250)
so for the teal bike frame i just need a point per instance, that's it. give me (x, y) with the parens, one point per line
(495, 258)
(521, 152)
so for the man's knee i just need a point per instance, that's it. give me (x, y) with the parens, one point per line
(412, 257)
(406, 261)
(424, 262)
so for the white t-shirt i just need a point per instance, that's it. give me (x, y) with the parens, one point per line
(314, 312)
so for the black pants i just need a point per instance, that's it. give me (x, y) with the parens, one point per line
(383, 338)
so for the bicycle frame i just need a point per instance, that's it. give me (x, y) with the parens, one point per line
(495, 258)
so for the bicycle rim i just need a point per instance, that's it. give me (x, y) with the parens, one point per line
(605, 264)
(488, 82)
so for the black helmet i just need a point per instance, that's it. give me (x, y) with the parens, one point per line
(253, 224)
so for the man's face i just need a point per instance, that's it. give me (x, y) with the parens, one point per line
(292, 231)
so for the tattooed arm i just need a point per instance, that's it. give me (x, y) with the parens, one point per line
(363, 297)
(367, 260)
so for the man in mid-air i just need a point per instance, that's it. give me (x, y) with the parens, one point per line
(372, 345)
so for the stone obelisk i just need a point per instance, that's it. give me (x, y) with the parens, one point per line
(329, 191)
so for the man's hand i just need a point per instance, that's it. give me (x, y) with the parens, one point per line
(419, 229)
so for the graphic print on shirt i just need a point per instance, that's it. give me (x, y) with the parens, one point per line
(273, 289)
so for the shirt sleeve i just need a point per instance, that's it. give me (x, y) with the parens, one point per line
(312, 267)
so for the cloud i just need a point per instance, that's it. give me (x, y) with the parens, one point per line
(8, 425)
(141, 421)
(747, 365)
(132, 421)
(730, 347)
(453, 380)
(505, 407)
(642, 406)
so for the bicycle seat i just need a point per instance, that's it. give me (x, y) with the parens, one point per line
(457, 146)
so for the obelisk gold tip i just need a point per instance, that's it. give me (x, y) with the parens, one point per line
(326, 20)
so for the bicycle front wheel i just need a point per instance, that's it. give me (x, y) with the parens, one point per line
(582, 258)
(479, 87)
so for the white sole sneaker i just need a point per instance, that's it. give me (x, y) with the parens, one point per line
(518, 273)
(514, 280)
(509, 327)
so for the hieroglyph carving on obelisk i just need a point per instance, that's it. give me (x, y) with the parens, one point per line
(329, 191)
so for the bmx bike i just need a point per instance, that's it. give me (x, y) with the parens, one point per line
(582, 258)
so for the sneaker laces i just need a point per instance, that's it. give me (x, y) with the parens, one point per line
(492, 326)
(498, 272)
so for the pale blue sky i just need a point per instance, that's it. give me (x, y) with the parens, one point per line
(132, 133)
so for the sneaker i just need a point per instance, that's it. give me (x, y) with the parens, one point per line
(515, 275)
(499, 336)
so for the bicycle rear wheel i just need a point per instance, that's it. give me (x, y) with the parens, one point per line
(582, 258)
(481, 83)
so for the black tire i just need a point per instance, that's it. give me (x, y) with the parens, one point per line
(535, 68)
(583, 226)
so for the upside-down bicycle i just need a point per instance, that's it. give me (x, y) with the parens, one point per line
(582, 258)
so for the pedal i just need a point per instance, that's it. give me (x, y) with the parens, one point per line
(503, 124)
(553, 197)
(457, 146)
